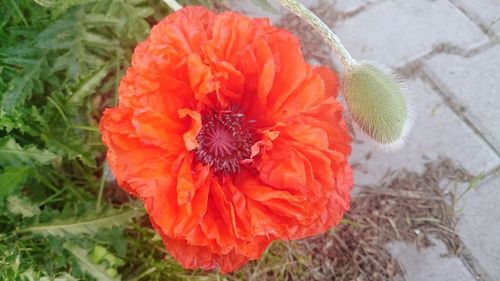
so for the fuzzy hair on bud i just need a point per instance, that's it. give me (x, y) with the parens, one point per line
(377, 104)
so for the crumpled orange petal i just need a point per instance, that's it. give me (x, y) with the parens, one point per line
(295, 181)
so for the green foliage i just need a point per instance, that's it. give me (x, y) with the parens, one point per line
(87, 265)
(22, 206)
(60, 64)
(89, 223)
(11, 179)
(12, 154)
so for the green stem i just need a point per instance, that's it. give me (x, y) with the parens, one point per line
(173, 4)
(101, 188)
(50, 198)
(85, 128)
(331, 39)
(19, 13)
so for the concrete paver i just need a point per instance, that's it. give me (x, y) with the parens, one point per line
(474, 84)
(349, 6)
(437, 132)
(478, 225)
(399, 31)
(275, 13)
(487, 12)
(336, 6)
(428, 264)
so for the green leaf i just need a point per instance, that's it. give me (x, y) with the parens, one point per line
(97, 271)
(97, 20)
(131, 19)
(89, 223)
(101, 254)
(21, 88)
(31, 275)
(74, 45)
(93, 39)
(71, 146)
(21, 206)
(87, 86)
(12, 153)
(26, 120)
(12, 178)
(62, 4)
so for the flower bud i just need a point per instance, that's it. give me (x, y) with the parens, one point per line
(377, 103)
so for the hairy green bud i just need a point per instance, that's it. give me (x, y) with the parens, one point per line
(377, 103)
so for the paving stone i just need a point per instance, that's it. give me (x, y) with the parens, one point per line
(479, 226)
(252, 10)
(348, 6)
(429, 264)
(437, 132)
(275, 14)
(399, 31)
(335, 6)
(473, 83)
(487, 12)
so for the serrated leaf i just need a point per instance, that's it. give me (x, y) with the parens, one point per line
(7, 122)
(21, 206)
(61, 277)
(88, 85)
(21, 88)
(86, 265)
(12, 153)
(101, 254)
(31, 275)
(131, 24)
(144, 12)
(97, 20)
(12, 178)
(19, 60)
(72, 147)
(59, 35)
(93, 39)
(64, 3)
(26, 120)
(75, 44)
(87, 224)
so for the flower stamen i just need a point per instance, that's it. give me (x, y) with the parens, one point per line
(224, 140)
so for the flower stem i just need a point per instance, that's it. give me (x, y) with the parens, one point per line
(101, 188)
(325, 32)
(172, 4)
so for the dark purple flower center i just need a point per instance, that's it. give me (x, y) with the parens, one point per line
(224, 140)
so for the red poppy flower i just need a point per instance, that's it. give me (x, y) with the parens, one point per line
(229, 137)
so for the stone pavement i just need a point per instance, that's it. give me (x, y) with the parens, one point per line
(448, 52)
